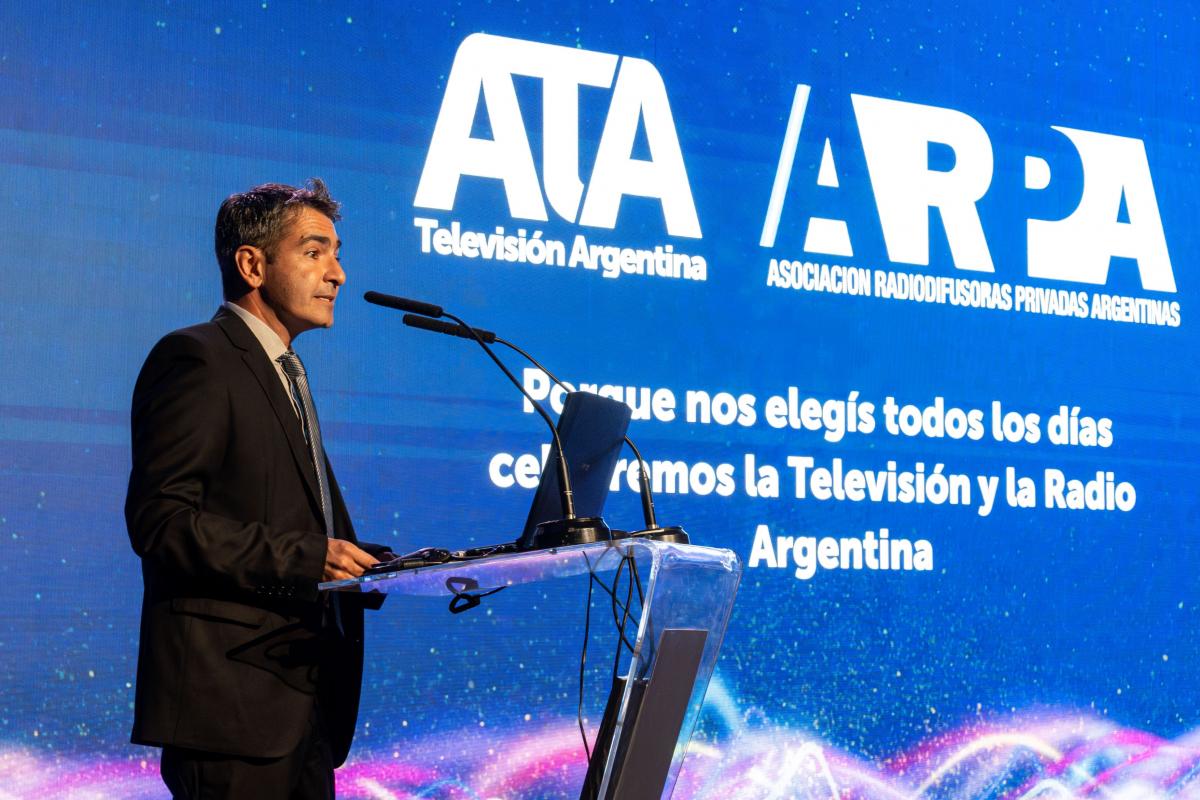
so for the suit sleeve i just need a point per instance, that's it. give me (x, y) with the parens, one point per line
(179, 426)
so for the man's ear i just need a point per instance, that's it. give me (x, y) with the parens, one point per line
(251, 264)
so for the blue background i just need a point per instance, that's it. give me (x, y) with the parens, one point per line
(123, 125)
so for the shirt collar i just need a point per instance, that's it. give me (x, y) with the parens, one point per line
(269, 339)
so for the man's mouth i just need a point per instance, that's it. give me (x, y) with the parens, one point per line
(328, 298)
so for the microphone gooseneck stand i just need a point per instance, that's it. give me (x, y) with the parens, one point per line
(568, 530)
(652, 529)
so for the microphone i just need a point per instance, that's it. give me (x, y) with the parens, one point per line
(403, 304)
(437, 326)
(553, 533)
(652, 530)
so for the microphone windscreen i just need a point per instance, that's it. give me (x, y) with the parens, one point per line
(450, 328)
(403, 304)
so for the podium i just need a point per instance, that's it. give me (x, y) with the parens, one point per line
(687, 596)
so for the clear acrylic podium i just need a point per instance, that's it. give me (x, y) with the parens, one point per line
(688, 596)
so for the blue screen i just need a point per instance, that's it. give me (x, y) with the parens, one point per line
(900, 297)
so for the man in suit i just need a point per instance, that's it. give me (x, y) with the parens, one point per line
(247, 678)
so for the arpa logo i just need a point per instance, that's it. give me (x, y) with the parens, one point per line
(1116, 214)
(483, 72)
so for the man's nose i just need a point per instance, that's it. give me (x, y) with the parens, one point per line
(335, 274)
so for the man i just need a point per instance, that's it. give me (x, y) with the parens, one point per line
(247, 678)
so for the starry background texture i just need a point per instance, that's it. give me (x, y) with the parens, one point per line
(124, 124)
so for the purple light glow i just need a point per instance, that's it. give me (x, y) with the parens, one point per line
(1034, 756)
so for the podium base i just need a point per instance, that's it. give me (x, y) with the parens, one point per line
(565, 532)
(672, 534)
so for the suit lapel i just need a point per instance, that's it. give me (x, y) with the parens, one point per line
(264, 372)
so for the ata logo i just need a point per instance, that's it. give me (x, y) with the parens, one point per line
(896, 137)
(483, 71)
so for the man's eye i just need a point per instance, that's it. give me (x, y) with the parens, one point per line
(311, 253)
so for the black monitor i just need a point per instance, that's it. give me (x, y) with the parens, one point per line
(592, 429)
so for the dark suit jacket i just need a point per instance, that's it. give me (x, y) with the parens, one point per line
(223, 509)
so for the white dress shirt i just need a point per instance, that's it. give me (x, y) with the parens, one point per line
(271, 344)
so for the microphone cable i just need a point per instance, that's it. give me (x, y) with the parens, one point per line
(628, 564)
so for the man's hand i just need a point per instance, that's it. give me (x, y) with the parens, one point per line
(344, 560)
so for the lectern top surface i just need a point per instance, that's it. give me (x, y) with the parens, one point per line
(510, 569)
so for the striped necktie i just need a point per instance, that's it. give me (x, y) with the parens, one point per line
(298, 381)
